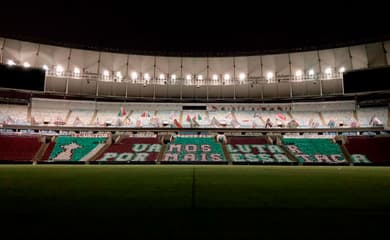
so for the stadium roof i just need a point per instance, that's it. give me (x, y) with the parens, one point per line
(185, 32)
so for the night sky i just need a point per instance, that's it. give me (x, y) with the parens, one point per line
(193, 28)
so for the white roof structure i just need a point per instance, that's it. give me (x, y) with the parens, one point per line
(266, 76)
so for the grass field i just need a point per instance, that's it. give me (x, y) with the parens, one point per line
(199, 202)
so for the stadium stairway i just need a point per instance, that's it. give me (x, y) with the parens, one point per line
(323, 122)
(42, 150)
(289, 154)
(93, 119)
(290, 115)
(227, 154)
(234, 116)
(345, 152)
(29, 113)
(48, 150)
(207, 115)
(161, 154)
(355, 115)
(102, 150)
(181, 117)
(68, 116)
(130, 113)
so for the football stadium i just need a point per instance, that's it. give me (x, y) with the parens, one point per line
(100, 143)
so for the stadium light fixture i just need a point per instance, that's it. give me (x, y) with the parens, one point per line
(311, 72)
(11, 62)
(173, 77)
(118, 75)
(76, 71)
(45, 67)
(26, 65)
(215, 77)
(342, 69)
(270, 75)
(200, 77)
(59, 70)
(162, 76)
(146, 76)
(226, 77)
(298, 73)
(242, 76)
(134, 75)
(328, 71)
(188, 77)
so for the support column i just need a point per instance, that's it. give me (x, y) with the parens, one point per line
(291, 74)
(181, 78)
(234, 78)
(320, 69)
(2, 51)
(98, 74)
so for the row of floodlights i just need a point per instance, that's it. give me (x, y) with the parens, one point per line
(59, 70)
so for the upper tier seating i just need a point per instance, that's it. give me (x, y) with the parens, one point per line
(195, 118)
(13, 114)
(366, 114)
(80, 117)
(307, 119)
(166, 118)
(48, 115)
(340, 118)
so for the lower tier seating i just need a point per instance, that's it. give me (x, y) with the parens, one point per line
(18, 148)
(194, 149)
(132, 149)
(366, 149)
(255, 150)
(315, 150)
(69, 148)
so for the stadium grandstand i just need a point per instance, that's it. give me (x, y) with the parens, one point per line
(302, 101)
(319, 116)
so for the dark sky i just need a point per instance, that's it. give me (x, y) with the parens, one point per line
(195, 28)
